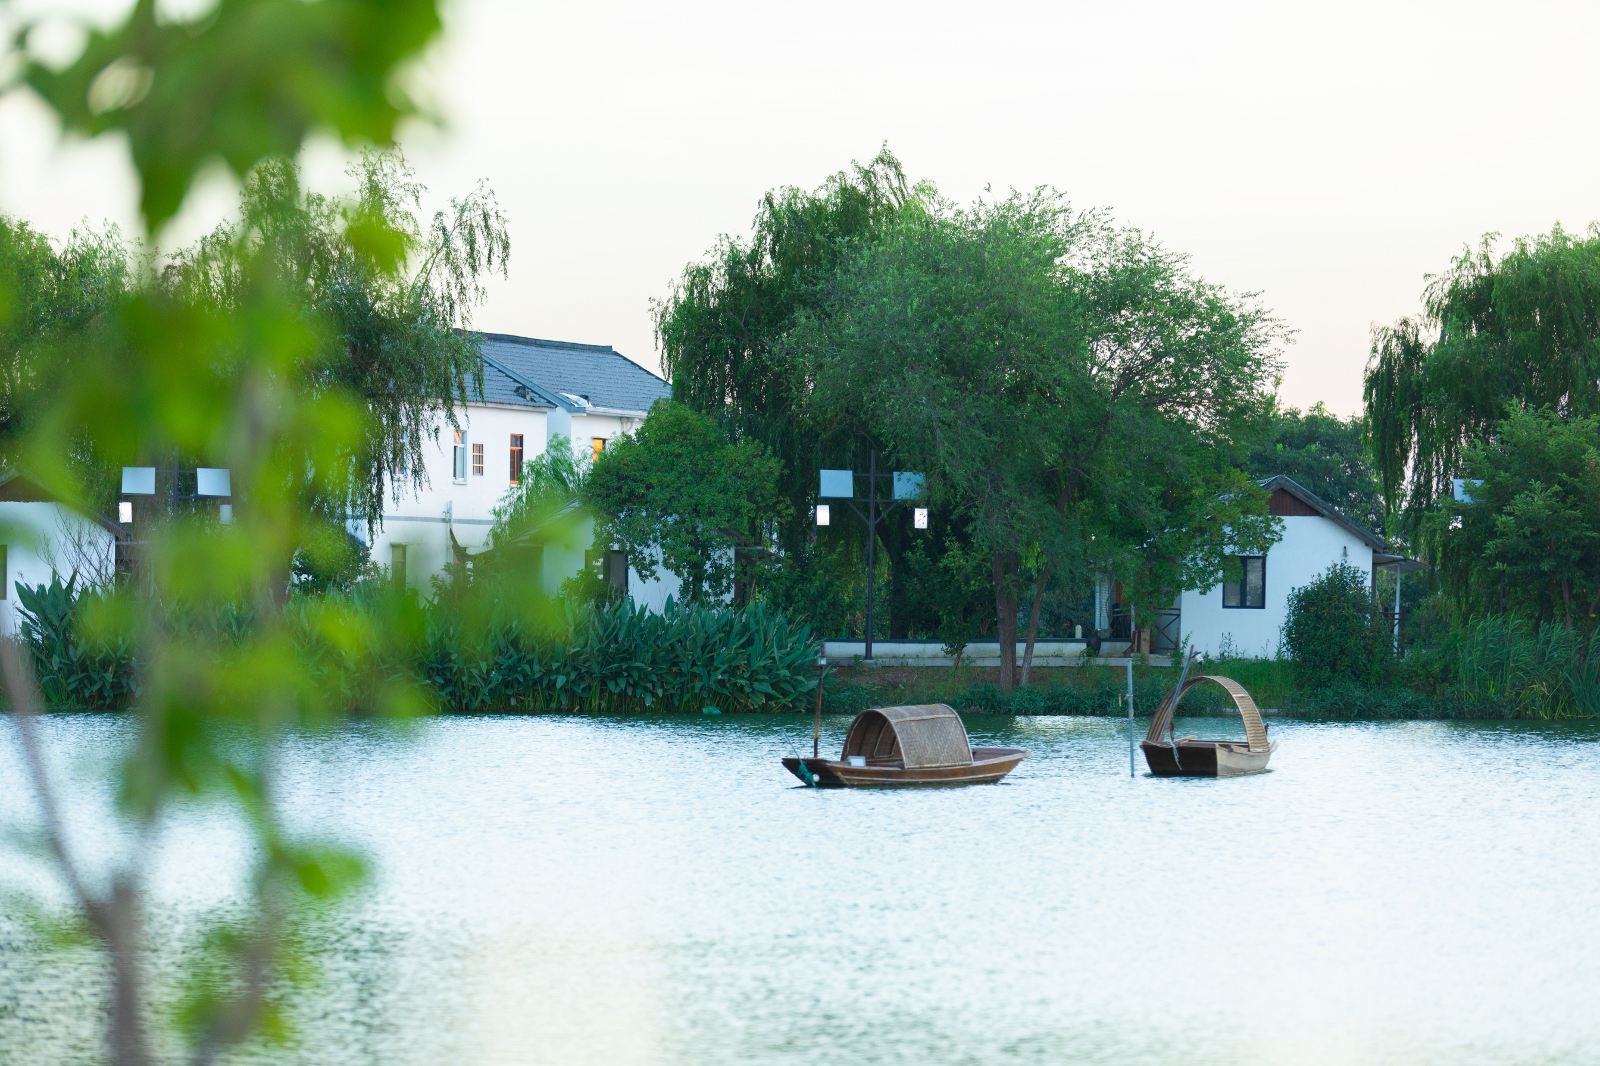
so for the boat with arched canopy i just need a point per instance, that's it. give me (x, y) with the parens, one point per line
(1173, 756)
(924, 744)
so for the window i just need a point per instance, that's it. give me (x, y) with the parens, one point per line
(597, 445)
(516, 458)
(397, 565)
(458, 458)
(477, 459)
(1250, 588)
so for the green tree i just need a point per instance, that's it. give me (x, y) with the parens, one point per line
(720, 330)
(221, 658)
(678, 495)
(1528, 543)
(1326, 454)
(1522, 328)
(1331, 634)
(396, 291)
(1068, 387)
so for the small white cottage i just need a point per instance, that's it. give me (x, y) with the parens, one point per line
(1244, 617)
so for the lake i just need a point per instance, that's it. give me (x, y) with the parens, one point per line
(562, 889)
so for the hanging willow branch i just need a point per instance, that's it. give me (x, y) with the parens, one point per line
(1516, 331)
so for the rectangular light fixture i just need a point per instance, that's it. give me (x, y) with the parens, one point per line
(225, 513)
(919, 517)
(139, 480)
(909, 485)
(824, 515)
(839, 484)
(212, 481)
(125, 512)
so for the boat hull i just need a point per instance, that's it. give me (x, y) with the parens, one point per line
(1205, 758)
(988, 766)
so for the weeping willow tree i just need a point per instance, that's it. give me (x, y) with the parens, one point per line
(720, 326)
(398, 287)
(1497, 333)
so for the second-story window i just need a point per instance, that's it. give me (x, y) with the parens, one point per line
(477, 458)
(458, 458)
(516, 458)
(597, 445)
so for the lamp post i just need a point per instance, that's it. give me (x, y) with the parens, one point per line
(840, 485)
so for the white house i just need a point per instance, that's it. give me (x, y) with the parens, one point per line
(533, 390)
(41, 536)
(1244, 617)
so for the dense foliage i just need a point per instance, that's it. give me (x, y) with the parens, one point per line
(1324, 453)
(1528, 543)
(1331, 634)
(486, 655)
(1516, 330)
(394, 292)
(1075, 395)
(75, 667)
(620, 658)
(678, 495)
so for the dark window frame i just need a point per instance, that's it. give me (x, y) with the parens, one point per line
(1243, 583)
(516, 458)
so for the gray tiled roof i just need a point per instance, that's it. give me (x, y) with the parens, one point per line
(598, 372)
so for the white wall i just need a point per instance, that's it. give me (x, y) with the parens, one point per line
(1309, 546)
(44, 538)
(419, 519)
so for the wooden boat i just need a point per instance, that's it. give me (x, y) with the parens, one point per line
(1174, 756)
(901, 746)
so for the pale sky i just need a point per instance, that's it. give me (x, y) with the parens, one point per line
(1328, 156)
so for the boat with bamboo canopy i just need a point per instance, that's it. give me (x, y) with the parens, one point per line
(1174, 756)
(888, 747)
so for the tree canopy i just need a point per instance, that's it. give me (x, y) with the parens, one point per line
(678, 495)
(1069, 387)
(396, 291)
(1326, 454)
(1498, 331)
(1528, 542)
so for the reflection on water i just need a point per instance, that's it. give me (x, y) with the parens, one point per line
(557, 890)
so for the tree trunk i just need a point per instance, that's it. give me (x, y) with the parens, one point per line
(1005, 608)
(121, 935)
(1033, 623)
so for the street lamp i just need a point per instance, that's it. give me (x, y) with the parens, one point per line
(840, 485)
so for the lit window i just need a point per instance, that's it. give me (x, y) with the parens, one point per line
(516, 458)
(397, 565)
(597, 445)
(477, 459)
(458, 458)
(1250, 588)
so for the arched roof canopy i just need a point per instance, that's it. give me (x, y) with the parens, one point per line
(1255, 730)
(923, 736)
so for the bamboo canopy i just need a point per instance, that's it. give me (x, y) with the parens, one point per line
(1255, 730)
(923, 736)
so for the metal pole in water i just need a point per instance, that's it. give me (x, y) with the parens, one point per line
(1130, 716)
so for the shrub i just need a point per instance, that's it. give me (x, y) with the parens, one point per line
(76, 668)
(620, 657)
(1510, 668)
(1329, 634)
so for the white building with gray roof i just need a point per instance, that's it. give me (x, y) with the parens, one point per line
(533, 390)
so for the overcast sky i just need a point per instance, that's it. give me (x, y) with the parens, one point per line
(1328, 156)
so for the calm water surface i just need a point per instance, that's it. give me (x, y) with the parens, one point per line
(564, 890)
